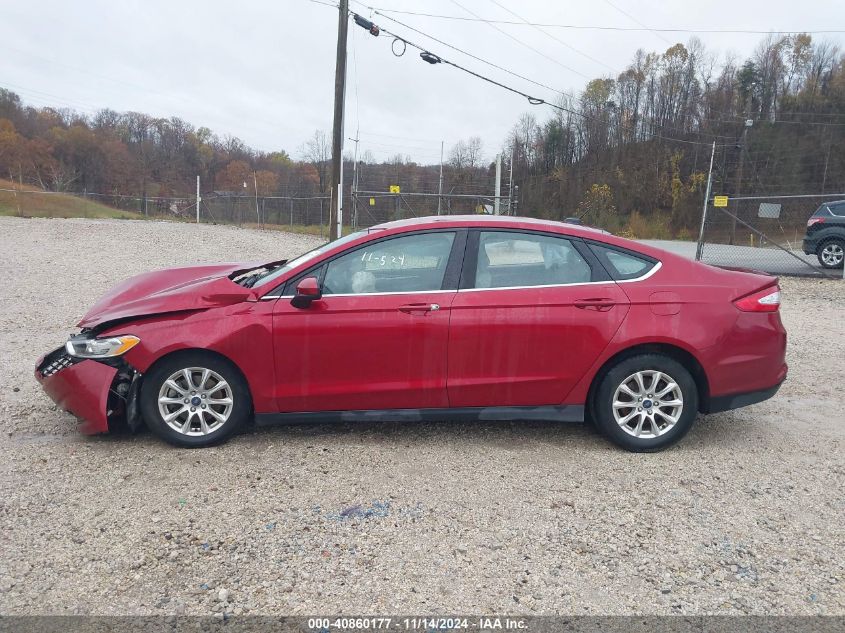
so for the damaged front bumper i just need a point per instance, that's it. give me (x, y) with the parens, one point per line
(102, 394)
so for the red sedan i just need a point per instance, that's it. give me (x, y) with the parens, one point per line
(483, 318)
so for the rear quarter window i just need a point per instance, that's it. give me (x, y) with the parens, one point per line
(837, 209)
(623, 265)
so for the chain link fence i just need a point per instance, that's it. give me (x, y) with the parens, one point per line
(303, 214)
(756, 232)
(309, 214)
(369, 208)
(763, 233)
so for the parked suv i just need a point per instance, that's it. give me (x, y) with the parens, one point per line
(825, 236)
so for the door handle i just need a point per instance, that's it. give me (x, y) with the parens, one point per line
(601, 304)
(419, 308)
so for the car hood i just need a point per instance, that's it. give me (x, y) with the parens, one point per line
(171, 290)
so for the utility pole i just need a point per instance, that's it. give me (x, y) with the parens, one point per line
(700, 246)
(440, 183)
(826, 160)
(255, 185)
(336, 200)
(510, 188)
(748, 123)
(496, 206)
(355, 182)
(198, 199)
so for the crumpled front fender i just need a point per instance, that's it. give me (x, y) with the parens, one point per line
(81, 389)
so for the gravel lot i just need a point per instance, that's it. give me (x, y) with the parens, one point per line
(745, 516)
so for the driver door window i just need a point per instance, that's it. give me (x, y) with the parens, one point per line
(415, 263)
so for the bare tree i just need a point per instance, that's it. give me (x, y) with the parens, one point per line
(467, 154)
(318, 152)
(458, 155)
(474, 148)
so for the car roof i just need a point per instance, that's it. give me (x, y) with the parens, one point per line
(489, 221)
(519, 222)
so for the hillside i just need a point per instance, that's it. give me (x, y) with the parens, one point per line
(34, 203)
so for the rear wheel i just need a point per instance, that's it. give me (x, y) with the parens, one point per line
(831, 253)
(194, 399)
(646, 403)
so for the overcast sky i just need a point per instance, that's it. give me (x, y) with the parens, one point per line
(264, 71)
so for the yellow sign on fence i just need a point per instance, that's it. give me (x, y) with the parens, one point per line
(720, 201)
(394, 188)
(372, 202)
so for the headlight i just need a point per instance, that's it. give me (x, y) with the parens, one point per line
(101, 347)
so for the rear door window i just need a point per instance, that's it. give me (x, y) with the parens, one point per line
(508, 259)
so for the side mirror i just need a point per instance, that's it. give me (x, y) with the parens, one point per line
(307, 290)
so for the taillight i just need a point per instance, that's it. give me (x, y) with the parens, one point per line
(766, 300)
(813, 221)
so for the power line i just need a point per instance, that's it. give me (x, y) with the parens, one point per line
(740, 118)
(799, 113)
(401, 138)
(510, 72)
(820, 123)
(475, 57)
(556, 39)
(432, 58)
(461, 18)
(47, 98)
(520, 42)
(636, 21)
(425, 150)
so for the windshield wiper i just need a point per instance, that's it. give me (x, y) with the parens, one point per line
(249, 278)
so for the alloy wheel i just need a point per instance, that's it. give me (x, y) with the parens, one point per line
(832, 254)
(195, 401)
(648, 404)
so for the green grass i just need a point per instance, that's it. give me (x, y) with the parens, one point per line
(37, 204)
(305, 229)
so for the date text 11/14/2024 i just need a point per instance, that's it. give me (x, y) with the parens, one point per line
(416, 624)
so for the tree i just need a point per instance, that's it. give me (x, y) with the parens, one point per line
(458, 155)
(233, 177)
(267, 182)
(12, 150)
(318, 152)
(474, 149)
(644, 134)
(280, 159)
(597, 206)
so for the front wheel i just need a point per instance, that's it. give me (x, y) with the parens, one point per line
(194, 399)
(831, 253)
(646, 403)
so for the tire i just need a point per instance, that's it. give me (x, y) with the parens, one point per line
(831, 253)
(660, 424)
(218, 402)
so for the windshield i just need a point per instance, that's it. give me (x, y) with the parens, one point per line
(278, 272)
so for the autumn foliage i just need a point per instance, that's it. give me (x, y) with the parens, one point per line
(629, 152)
